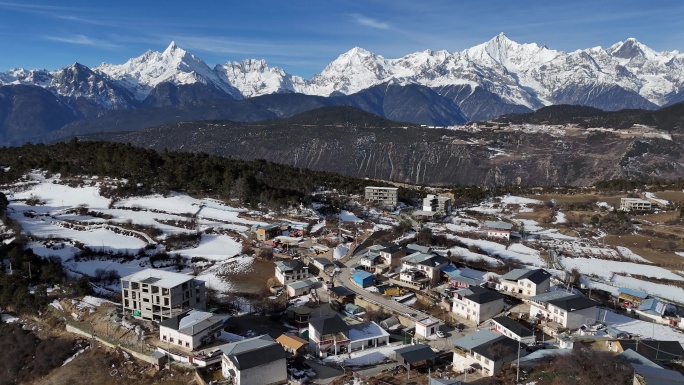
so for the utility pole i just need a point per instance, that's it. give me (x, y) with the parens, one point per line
(517, 366)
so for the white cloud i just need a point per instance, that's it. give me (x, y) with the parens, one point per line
(81, 40)
(368, 22)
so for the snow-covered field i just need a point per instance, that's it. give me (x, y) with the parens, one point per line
(58, 229)
(522, 253)
(606, 268)
(643, 328)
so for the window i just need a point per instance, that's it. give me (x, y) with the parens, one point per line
(171, 339)
(164, 338)
(529, 285)
(478, 357)
(562, 313)
(486, 361)
(187, 344)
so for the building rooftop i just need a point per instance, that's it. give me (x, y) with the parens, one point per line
(653, 306)
(658, 376)
(427, 321)
(655, 349)
(301, 284)
(498, 348)
(476, 339)
(498, 225)
(161, 278)
(383, 188)
(481, 295)
(362, 274)
(193, 321)
(253, 352)
(365, 331)
(416, 353)
(291, 265)
(632, 292)
(514, 326)
(546, 297)
(573, 303)
(633, 357)
(292, 342)
(341, 291)
(434, 261)
(329, 325)
(415, 248)
(416, 258)
(537, 275)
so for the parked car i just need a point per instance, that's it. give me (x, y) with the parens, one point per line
(440, 334)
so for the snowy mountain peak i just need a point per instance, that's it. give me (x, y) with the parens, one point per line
(630, 49)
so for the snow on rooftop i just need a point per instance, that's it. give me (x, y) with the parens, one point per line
(365, 331)
(159, 278)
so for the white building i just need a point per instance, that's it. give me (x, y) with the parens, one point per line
(367, 335)
(297, 288)
(477, 303)
(512, 329)
(191, 329)
(437, 204)
(560, 309)
(157, 295)
(495, 229)
(254, 361)
(427, 327)
(388, 196)
(328, 336)
(526, 282)
(430, 264)
(635, 204)
(291, 271)
(485, 351)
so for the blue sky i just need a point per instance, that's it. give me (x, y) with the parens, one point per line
(303, 36)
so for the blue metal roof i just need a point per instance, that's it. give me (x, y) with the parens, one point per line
(362, 274)
(632, 292)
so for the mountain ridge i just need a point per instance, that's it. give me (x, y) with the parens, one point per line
(521, 74)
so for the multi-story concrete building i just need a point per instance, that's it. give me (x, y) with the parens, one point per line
(559, 309)
(477, 304)
(291, 271)
(157, 295)
(526, 282)
(635, 204)
(388, 196)
(437, 204)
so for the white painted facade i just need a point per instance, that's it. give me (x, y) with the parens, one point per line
(474, 311)
(571, 320)
(525, 287)
(427, 327)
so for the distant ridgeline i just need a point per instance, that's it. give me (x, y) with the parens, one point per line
(252, 182)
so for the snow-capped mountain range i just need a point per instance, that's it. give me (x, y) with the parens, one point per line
(627, 74)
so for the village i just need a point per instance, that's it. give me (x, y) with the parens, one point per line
(457, 295)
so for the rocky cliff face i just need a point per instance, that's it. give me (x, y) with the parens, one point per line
(431, 156)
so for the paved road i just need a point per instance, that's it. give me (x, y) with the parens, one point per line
(344, 279)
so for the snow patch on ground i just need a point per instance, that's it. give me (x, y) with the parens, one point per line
(606, 268)
(560, 218)
(347, 216)
(654, 198)
(213, 247)
(6, 318)
(629, 254)
(643, 328)
(515, 200)
(672, 293)
(524, 254)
